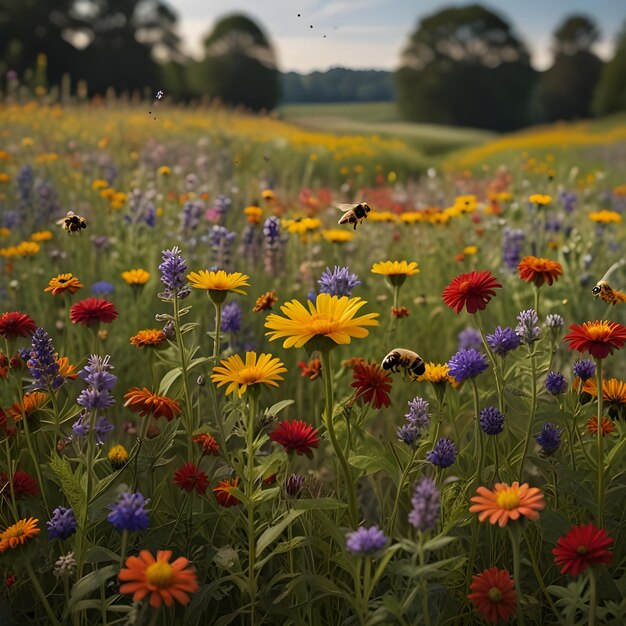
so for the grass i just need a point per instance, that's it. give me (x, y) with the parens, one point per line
(382, 118)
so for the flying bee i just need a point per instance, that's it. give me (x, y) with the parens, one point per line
(411, 362)
(353, 213)
(72, 223)
(605, 292)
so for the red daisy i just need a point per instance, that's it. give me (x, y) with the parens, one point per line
(15, 324)
(7, 424)
(92, 311)
(581, 547)
(472, 291)
(493, 594)
(223, 492)
(190, 477)
(23, 485)
(538, 271)
(372, 383)
(207, 443)
(598, 338)
(296, 435)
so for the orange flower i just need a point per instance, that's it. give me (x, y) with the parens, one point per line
(64, 283)
(538, 271)
(599, 338)
(145, 402)
(66, 369)
(265, 302)
(149, 337)
(32, 402)
(608, 426)
(163, 581)
(223, 492)
(17, 534)
(506, 503)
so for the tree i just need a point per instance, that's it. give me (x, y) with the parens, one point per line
(240, 64)
(610, 94)
(565, 90)
(465, 66)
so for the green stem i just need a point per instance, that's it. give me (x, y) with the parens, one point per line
(42, 596)
(496, 461)
(515, 534)
(533, 408)
(123, 548)
(10, 472)
(252, 408)
(536, 300)
(600, 452)
(367, 586)
(542, 584)
(218, 330)
(405, 473)
(478, 433)
(423, 584)
(593, 597)
(494, 365)
(328, 413)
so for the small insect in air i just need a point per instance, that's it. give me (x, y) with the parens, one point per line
(605, 292)
(400, 358)
(72, 223)
(159, 95)
(353, 213)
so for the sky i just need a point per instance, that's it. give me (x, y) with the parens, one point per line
(370, 34)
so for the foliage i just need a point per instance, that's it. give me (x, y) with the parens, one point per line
(610, 95)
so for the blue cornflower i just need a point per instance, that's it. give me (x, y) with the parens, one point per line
(549, 439)
(503, 340)
(491, 421)
(231, 318)
(129, 513)
(443, 454)
(366, 541)
(102, 288)
(418, 412)
(409, 434)
(527, 329)
(469, 338)
(556, 383)
(426, 504)
(63, 523)
(466, 364)
(173, 270)
(584, 369)
(42, 363)
(338, 282)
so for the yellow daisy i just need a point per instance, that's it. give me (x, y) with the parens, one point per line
(336, 235)
(605, 217)
(395, 268)
(219, 281)
(331, 318)
(62, 283)
(136, 277)
(540, 199)
(437, 373)
(239, 375)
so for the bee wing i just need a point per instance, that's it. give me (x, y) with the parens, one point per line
(344, 206)
(61, 222)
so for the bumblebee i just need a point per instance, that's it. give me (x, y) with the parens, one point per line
(72, 223)
(605, 292)
(411, 362)
(353, 213)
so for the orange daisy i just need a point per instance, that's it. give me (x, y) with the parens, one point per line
(506, 503)
(223, 492)
(538, 271)
(608, 426)
(32, 402)
(150, 337)
(163, 581)
(145, 402)
(64, 283)
(66, 369)
(18, 533)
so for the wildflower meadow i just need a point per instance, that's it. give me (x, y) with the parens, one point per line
(202, 417)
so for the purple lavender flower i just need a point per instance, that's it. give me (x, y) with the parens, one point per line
(294, 484)
(418, 412)
(222, 205)
(129, 513)
(584, 369)
(568, 200)
(556, 383)
(549, 439)
(272, 245)
(443, 454)
(94, 399)
(426, 503)
(338, 282)
(250, 246)
(96, 373)
(503, 340)
(173, 271)
(102, 428)
(63, 523)
(366, 541)
(80, 427)
(491, 421)
(221, 240)
(271, 231)
(512, 247)
(527, 329)
(42, 363)
(554, 323)
(409, 434)
(231, 318)
(169, 330)
(469, 338)
(467, 364)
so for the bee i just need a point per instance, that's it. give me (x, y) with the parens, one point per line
(605, 292)
(353, 213)
(409, 361)
(72, 223)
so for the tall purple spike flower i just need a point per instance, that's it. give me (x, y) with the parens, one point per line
(417, 419)
(338, 282)
(173, 275)
(42, 363)
(271, 245)
(512, 247)
(426, 505)
(221, 243)
(527, 328)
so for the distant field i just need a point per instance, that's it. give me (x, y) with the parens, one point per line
(381, 118)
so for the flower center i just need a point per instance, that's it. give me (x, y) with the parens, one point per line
(582, 550)
(249, 375)
(323, 325)
(464, 287)
(160, 574)
(508, 499)
(598, 332)
(495, 595)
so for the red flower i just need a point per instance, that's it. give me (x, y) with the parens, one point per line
(9, 581)
(190, 477)
(23, 485)
(472, 291)
(597, 338)
(372, 383)
(223, 492)
(296, 435)
(493, 594)
(92, 311)
(15, 324)
(311, 370)
(207, 443)
(538, 271)
(144, 402)
(4, 365)
(580, 547)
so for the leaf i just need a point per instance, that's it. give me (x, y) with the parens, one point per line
(168, 380)
(373, 464)
(70, 484)
(88, 584)
(279, 406)
(319, 504)
(273, 532)
(153, 450)
(436, 543)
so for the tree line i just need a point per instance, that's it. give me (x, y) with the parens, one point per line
(461, 65)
